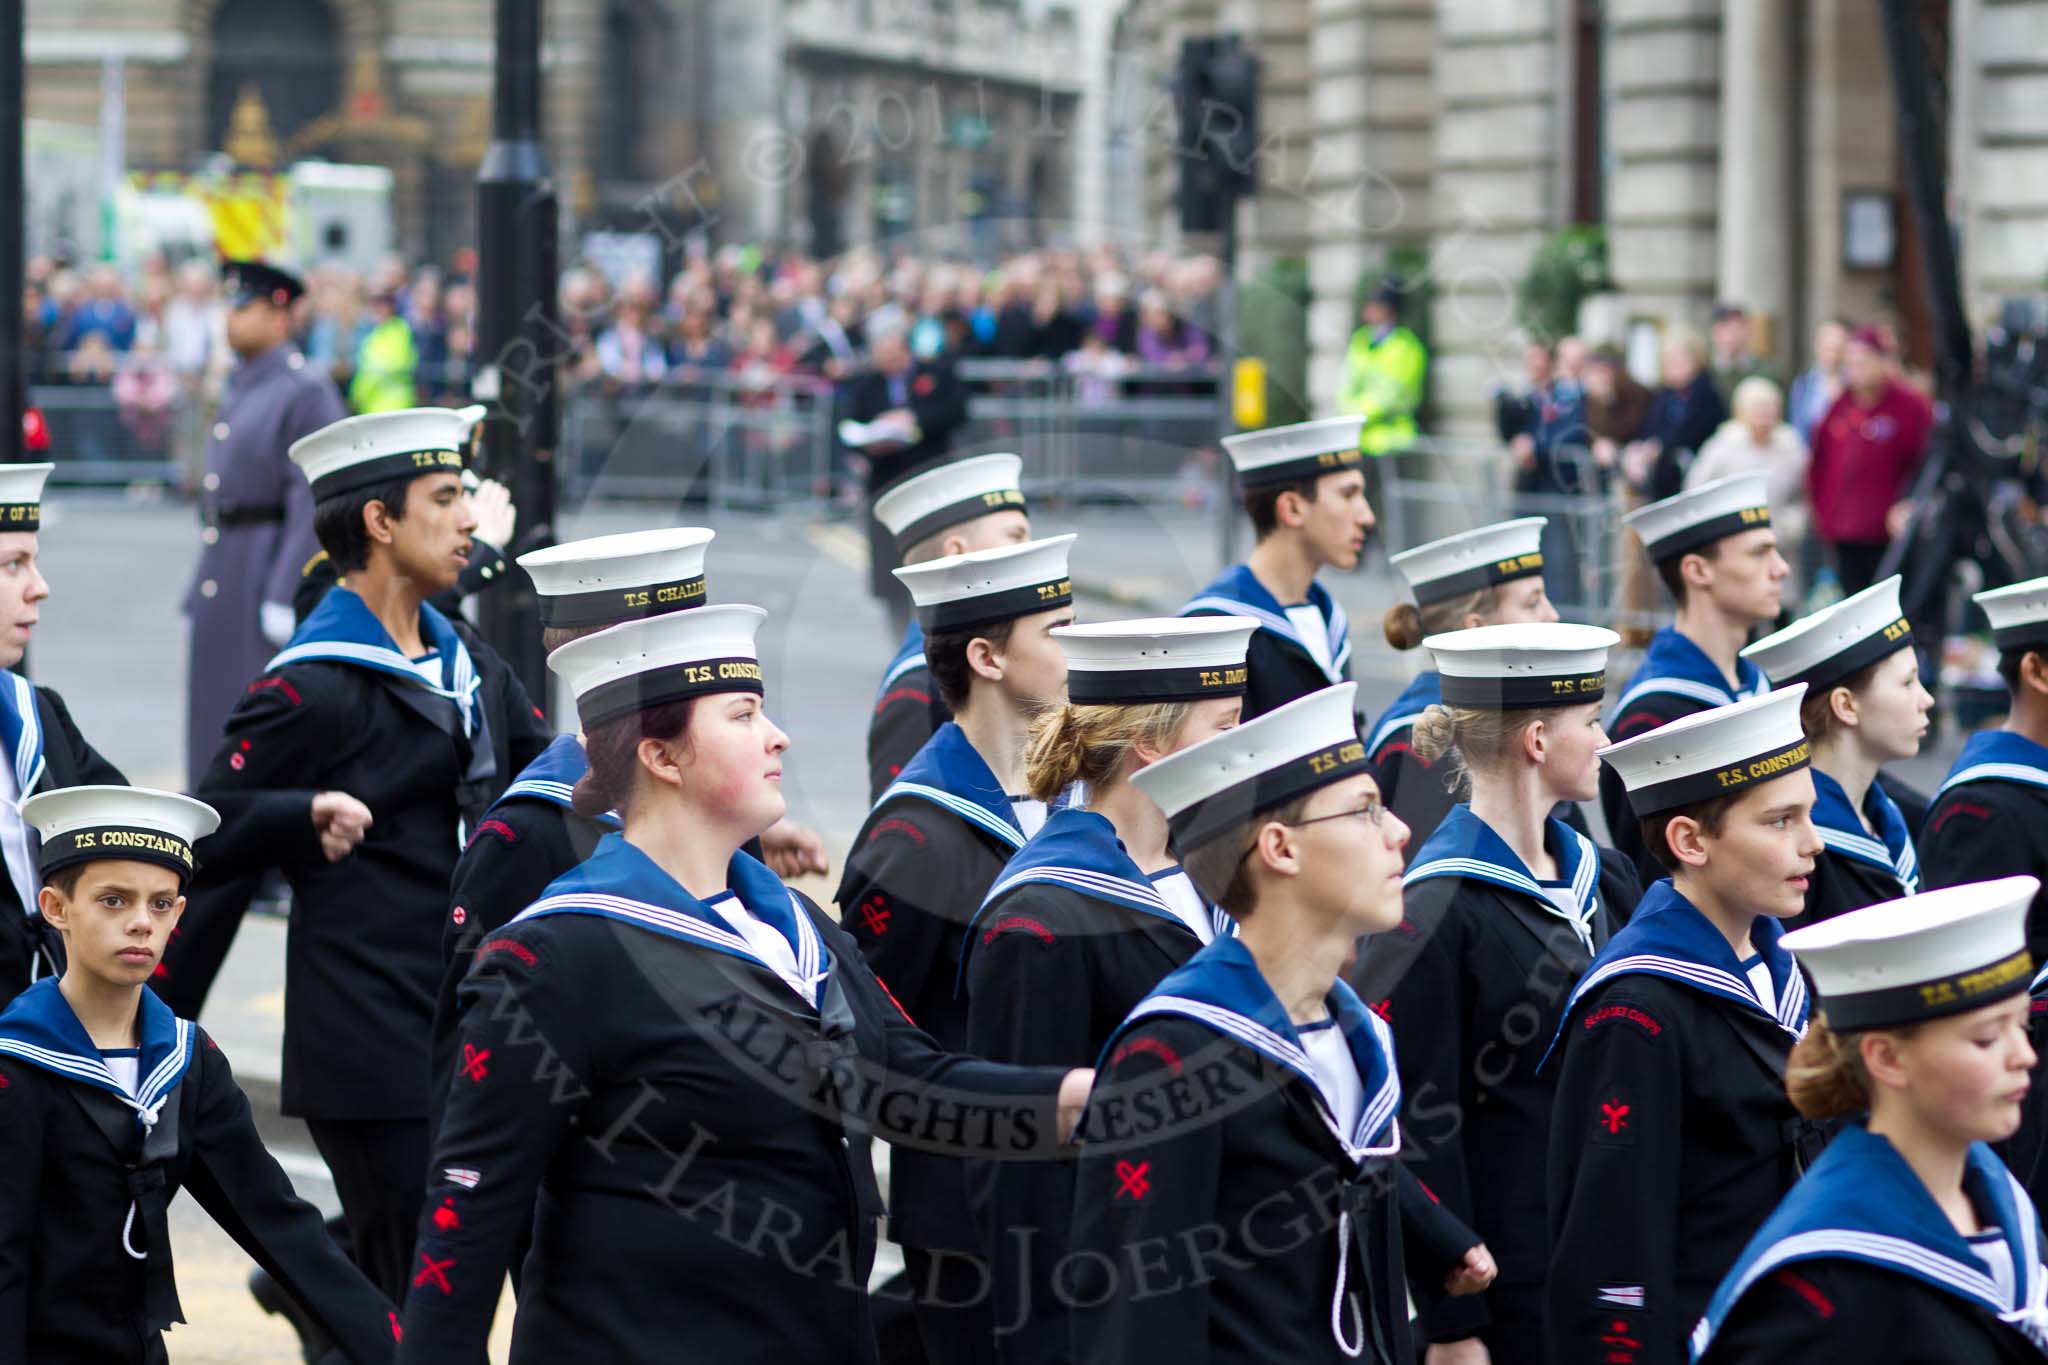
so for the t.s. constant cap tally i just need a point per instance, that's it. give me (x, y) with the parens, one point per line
(1530, 664)
(1292, 453)
(1175, 658)
(1471, 560)
(1822, 649)
(357, 452)
(1720, 752)
(936, 500)
(1700, 516)
(609, 579)
(1942, 952)
(1209, 788)
(664, 658)
(127, 824)
(985, 586)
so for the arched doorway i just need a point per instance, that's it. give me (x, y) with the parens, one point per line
(288, 51)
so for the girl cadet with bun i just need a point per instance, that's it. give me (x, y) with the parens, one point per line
(1240, 1196)
(1505, 907)
(110, 1105)
(1908, 1241)
(1864, 708)
(1485, 577)
(1088, 915)
(673, 1066)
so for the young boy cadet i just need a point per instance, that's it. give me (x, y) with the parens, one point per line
(110, 1104)
(1304, 490)
(379, 695)
(1671, 1138)
(971, 504)
(1989, 818)
(1715, 550)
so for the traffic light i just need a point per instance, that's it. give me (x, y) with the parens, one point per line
(1218, 89)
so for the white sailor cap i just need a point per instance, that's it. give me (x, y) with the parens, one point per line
(608, 579)
(1921, 957)
(21, 495)
(1527, 664)
(1822, 649)
(2018, 614)
(1472, 560)
(936, 499)
(1700, 516)
(1292, 453)
(1221, 782)
(357, 452)
(1155, 659)
(1719, 752)
(128, 824)
(639, 664)
(984, 586)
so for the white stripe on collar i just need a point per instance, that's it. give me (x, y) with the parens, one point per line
(150, 1090)
(1679, 687)
(810, 954)
(909, 663)
(960, 806)
(1389, 727)
(1104, 884)
(1791, 1005)
(28, 750)
(1379, 1109)
(1281, 626)
(2024, 773)
(1873, 851)
(463, 694)
(1583, 878)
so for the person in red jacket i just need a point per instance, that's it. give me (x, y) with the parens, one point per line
(1866, 452)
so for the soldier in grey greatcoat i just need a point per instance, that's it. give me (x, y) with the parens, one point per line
(256, 510)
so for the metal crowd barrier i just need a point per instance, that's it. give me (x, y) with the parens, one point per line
(718, 437)
(93, 442)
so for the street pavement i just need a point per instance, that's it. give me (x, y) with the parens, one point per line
(112, 640)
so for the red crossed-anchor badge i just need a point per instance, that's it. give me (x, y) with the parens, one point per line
(1133, 1179)
(473, 1059)
(434, 1272)
(874, 916)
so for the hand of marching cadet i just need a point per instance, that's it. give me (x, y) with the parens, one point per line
(1470, 1351)
(1074, 1088)
(791, 850)
(496, 517)
(1472, 1274)
(342, 821)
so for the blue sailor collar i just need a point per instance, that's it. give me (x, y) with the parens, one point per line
(619, 882)
(40, 1029)
(909, 658)
(1669, 937)
(1675, 665)
(1466, 846)
(552, 777)
(21, 730)
(1423, 692)
(1998, 756)
(1222, 989)
(342, 629)
(1238, 592)
(1862, 1202)
(1079, 850)
(949, 773)
(1843, 832)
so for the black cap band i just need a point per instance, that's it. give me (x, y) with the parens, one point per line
(613, 605)
(116, 843)
(1523, 693)
(1896, 1006)
(409, 463)
(1702, 534)
(954, 514)
(2020, 638)
(1007, 605)
(1484, 576)
(1307, 467)
(1216, 815)
(1871, 648)
(1716, 782)
(673, 682)
(1138, 686)
(20, 516)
